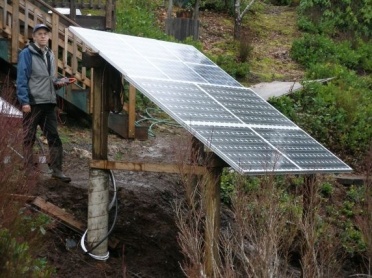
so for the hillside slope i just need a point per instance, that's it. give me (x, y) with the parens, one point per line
(145, 228)
(269, 33)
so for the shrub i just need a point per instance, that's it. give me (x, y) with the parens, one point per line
(16, 259)
(137, 18)
(336, 114)
(314, 49)
(311, 49)
(19, 235)
(339, 16)
(229, 64)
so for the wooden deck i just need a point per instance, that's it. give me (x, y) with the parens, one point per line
(18, 18)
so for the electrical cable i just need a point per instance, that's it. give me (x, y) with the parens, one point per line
(114, 202)
(155, 121)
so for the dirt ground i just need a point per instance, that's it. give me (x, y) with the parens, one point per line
(145, 230)
(144, 235)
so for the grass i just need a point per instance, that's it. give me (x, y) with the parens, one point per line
(273, 32)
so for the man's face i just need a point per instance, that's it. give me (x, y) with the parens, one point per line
(41, 37)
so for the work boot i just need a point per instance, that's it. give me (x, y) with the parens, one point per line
(57, 174)
(56, 154)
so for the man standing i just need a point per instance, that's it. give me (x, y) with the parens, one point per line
(36, 91)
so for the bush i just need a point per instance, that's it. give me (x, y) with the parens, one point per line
(339, 16)
(20, 234)
(16, 259)
(137, 18)
(336, 114)
(229, 64)
(311, 49)
(316, 49)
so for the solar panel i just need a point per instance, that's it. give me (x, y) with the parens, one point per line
(233, 121)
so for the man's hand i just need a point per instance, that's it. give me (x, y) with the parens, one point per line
(61, 83)
(26, 108)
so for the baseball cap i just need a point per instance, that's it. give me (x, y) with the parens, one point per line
(40, 26)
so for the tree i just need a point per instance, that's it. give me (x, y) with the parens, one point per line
(239, 17)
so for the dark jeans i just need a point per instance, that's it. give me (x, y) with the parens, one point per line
(43, 115)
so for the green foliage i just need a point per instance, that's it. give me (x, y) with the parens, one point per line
(332, 16)
(137, 18)
(337, 114)
(326, 189)
(29, 223)
(197, 44)
(313, 49)
(16, 259)
(364, 50)
(229, 64)
(218, 5)
(352, 239)
(229, 181)
(351, 236)
(283, 2)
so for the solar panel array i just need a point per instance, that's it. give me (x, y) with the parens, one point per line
(233, 121)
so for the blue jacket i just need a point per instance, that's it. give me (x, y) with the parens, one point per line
(35, 79)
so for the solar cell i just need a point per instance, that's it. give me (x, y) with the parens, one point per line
(233, 121)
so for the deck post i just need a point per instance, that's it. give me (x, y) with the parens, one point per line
(15, 32)
(98, 194)
(212, 214)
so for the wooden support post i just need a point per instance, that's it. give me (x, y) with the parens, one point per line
(26, 22)
(310, 203)
(99, 179)
(3, 16)
(212, 201)
(132, 112)
(72, 10)
(109, 15)
(15, 32)
(55, 36)
(309, 198)
(212, 216)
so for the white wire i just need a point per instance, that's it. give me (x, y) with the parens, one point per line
(82, 241)
(100, 258)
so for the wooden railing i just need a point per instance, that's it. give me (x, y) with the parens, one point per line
(79, 4)
(17, 20)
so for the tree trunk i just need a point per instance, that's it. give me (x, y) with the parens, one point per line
(170, 9)
(237, 28)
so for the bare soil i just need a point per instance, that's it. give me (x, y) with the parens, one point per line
(145, 230)
(144, 235)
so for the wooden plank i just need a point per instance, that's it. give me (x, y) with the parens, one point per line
(65, 217)
(25, 198)
(92, 80)
(84, 69)
(35, 13)
(131, 112)
(4, 14)
(59, 213)
(148, 167)
(74, 63)
(15, 32)
(100, 115)
(55, 35)
(26, 21)
(347, 179)
(64, 54)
